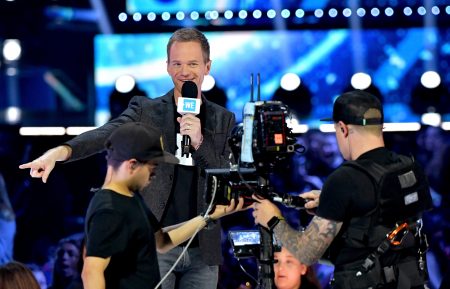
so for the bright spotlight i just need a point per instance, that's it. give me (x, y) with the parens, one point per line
(208, 83)
(285, 13)
(165, 16)
(257, 14)
(431, 118)
(361, 12)
(375, 12)
(361, 80)
(151, 16)
(122, 17)
(195, 15)
(271, 13)
(228, 14)
(125, 83)
(332, 12)
(318, 13)
(299, 13)
(407, 11)
(389, 11)
(137, 17)
(430, 79)
(12, 49)
(290, 81)
(13, 115)
(347, 12)
(421, 10)
(242, 14)
(180, 15)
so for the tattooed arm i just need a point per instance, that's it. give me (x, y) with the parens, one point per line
(308, 246)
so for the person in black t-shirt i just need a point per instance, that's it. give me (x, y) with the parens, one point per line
(347, 197)
(122, 234)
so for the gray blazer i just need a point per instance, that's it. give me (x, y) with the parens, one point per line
(213, 153)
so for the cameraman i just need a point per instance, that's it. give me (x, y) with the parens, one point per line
(349, 198)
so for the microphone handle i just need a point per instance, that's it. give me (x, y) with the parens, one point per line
(185, 145)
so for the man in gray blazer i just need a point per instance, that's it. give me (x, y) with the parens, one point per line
(176, 193)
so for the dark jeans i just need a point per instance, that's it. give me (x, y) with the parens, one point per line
(190, 273)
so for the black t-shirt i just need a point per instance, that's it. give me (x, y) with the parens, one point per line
(348, 193)
(122, 228)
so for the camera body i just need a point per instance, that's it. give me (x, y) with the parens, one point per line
(259, 145)
(247, 243)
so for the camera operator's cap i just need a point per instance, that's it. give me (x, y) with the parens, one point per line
(351, 106)
(136, 140)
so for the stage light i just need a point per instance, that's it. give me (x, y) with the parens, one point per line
(431, 118)
(35, 131)
(151, 16)
(430, 79)
(214, 15)
(11, 71)
(375, 12)
(208, 15)
(228, 14)
(12, 49)
(285, 13)
(271, 13)
(76, 130)
(447, 10)
(13, 115)
(290, 81)
(195, 15)
(361, 12)
(332, 12)
(318, 13)
(401, 126)
(122, 17)
(421, 10)
(347, 12)
(208, 82)
(361, 80)
(137, 16)
(299, 13)
(327, 127)
(257, 14)
(165, 16)
(407, 11)
(389, 11)
(180, 15)
(243, 14)
(435, 10)
(125, 83)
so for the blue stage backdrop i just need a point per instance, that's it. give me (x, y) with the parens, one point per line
(324, 59)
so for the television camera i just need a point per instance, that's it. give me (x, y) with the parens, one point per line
(261, 144)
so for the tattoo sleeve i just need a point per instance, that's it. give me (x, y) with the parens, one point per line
(308, 246)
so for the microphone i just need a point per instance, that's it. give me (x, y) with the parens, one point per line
(188, 103)
(290, 201)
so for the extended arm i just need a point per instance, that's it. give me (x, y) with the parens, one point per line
(307, 246)
(93, 272)
(167, 240)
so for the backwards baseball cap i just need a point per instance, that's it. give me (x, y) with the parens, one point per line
(351, 106)
(136, 140)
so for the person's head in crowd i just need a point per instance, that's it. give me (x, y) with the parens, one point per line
(15, 275)
(38, 274)
(322, 152)
(188, 58)
(66, 268)
(290, 273)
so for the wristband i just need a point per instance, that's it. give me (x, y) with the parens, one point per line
(272, 223)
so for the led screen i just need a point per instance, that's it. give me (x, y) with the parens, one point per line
(324, 59)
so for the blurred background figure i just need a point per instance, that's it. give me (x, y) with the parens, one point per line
(15, 275)
(291, 274)
(38, 275)
(68, 263)
(7, 225)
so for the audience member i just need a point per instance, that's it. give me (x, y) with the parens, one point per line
(290, 273)
(15, 275)
(67, 265)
